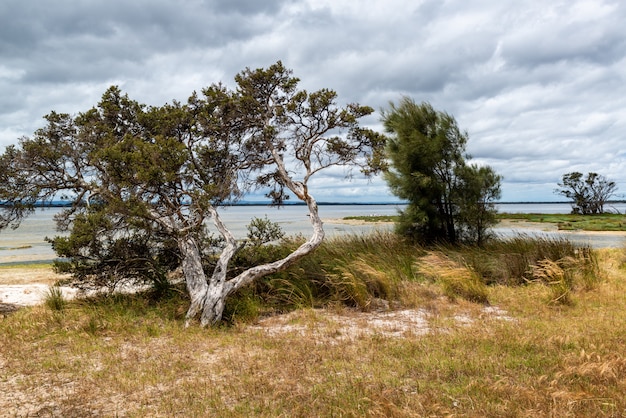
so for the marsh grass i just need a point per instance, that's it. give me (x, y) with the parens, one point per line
(557, 275)
(511, 261)
(569, 222)
(352, 269)
(456, 279)
(357, 270)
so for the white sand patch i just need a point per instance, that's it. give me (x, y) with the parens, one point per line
(325, 325)
(30, 294)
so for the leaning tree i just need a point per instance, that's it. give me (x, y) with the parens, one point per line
(151, 177)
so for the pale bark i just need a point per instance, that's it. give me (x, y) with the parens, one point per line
(216, 294)
(195, 278)
(210, 297)
(309, 246)
(218, 288)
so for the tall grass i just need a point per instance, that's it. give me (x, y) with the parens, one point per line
(358, 270)
(512, 261)
(353, 270)
(456, 279)
(54, 298)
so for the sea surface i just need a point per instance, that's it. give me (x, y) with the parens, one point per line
(27, 243)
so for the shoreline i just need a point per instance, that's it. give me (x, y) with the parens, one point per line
(26, 284)
(550, 227)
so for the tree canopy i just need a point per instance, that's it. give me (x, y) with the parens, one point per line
(589, 194)
(449, 200)
(144, 180)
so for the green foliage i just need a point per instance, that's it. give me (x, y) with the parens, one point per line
(264, 244)
(261, 231)
(101, 252)
(479, 189)
(588, 194)
(448, 199)
(244, 306)
(141, 181)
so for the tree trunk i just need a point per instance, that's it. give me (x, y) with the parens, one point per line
(195, 278)
(215, 299)
(219, 288)
(208, 297)
(308, 247)
(214, 304)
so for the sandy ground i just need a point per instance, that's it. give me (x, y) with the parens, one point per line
(23, 286)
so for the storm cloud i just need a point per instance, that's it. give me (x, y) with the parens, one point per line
(539, 86)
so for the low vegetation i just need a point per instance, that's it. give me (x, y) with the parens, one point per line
(405, 331)
(373, 218)
(569, 222)
(564, 222)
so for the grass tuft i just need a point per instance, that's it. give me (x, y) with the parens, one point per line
(457, 280)
(558, 277)
(54, 299)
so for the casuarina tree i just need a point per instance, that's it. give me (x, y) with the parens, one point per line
(448, 200)
(148, 179)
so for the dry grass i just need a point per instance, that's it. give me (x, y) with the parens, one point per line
(129, 356)
(456, 279)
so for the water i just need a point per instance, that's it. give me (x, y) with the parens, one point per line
(27, 243)
(595, 239)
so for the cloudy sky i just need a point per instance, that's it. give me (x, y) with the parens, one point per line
(539, 85)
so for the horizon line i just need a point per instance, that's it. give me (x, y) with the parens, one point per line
(63, 203)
